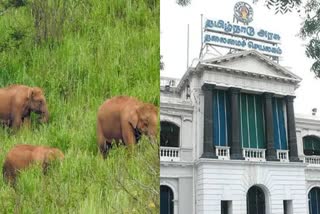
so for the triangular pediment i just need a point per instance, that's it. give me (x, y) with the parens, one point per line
(252, 62)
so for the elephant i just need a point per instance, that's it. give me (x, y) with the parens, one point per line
(125, 119)
(17, 103)
(21, 156)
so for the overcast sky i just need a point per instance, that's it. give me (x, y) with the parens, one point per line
(173, 34)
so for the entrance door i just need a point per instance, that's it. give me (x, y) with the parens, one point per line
(256, 201)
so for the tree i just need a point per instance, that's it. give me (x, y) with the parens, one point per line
(311, 30)
(183, 2)
(283, 6)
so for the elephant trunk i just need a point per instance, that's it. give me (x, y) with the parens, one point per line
(153, 133)
(44, 116)
(153, 139)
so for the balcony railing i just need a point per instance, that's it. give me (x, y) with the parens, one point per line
(312, 160)
(254, 154)
(283, 155)
(169, 153)
(223, 152)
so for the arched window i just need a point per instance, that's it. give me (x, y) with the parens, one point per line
(314, 200)
(166, 200)
(311, 145)
(169, 134)
(256, 203)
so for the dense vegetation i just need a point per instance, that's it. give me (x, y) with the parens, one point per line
(81, 52)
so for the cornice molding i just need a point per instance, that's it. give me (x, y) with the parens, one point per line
(220, 68)
(187, 107)
(307, 122)
(278, 68)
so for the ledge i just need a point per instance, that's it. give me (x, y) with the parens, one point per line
(177, 163)
(242, 162)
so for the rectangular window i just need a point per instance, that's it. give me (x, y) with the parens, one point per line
(221, 109)
(226, 207)
(251, 121)
(279, 124)
(287, 207)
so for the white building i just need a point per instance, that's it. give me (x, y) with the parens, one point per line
(231, 143)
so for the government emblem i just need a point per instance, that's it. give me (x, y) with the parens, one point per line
(243, 12)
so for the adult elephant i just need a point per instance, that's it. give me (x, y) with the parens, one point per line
(124, 118)
(18, 101)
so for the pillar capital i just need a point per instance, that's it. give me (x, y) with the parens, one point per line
(207, 87)
(234, 90)
(268, 95)
(290, 98)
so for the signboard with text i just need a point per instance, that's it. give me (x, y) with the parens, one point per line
(226, 34)
(229, 35)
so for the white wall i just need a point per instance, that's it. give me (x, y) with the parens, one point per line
(179, 177)
(230, 180)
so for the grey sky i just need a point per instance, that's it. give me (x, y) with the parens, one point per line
(173, 29)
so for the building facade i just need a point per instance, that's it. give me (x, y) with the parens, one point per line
(231, 142)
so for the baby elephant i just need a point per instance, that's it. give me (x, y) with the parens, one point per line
(22, 156)
(125, 118)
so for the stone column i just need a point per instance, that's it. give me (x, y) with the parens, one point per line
(208, 149)
(291, 124)
(271, 154)
(235, 143)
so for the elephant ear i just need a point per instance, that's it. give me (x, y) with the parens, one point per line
(30, 93)
(133, 118)
(36, 92)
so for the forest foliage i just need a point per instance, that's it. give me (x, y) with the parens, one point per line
(81, 52)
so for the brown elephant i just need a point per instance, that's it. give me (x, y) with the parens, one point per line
(124, 118)
(17, 103)
(22, 156)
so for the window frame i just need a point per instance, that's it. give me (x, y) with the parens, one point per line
(311, 152)
(173, 125)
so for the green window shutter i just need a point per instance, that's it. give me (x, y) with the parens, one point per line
(251, 121)
(260, 122)
(279, 129)
(244, 121)
(221, 109)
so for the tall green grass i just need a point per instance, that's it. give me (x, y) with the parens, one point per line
(102, 49)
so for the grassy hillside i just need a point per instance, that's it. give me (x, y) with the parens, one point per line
(81, 52)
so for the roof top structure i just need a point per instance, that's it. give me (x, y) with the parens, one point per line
(246, 65)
